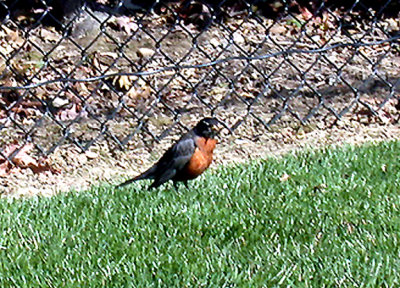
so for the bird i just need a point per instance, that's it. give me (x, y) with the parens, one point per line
(186, 159)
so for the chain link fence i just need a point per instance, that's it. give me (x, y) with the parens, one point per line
(127, 73)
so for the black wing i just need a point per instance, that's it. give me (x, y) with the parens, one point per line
(174, 160)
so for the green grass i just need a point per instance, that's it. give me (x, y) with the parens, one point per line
(334, 222)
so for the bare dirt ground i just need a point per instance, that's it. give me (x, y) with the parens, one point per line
(81, 170)
(274, 105)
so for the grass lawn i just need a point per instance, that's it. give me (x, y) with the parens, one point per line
(315, 219)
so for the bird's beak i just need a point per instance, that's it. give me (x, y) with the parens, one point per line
(216, 129)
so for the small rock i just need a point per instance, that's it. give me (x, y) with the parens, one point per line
(59, 102)
(215, 42)
(91, 155)
(238, 39)
(277, 29)
(145, 52)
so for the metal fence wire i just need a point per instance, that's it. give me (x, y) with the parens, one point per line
(129, 72)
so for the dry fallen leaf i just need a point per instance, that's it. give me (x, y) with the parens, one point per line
(142, 92)
(305, 13)
(69, 114)
(127, 24)
(123, 82)
(4, 169)
(50, 34)
(43, 165)
(23, 160)
(13, 36)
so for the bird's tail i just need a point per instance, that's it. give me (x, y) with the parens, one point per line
(126, 183)
(145, 175)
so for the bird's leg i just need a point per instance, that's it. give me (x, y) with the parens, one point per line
(176, 185)
(186, 184)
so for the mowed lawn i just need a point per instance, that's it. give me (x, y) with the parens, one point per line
(315, 219)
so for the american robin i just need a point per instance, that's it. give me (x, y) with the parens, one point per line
(186, 159)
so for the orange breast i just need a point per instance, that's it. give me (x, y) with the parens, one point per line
(202, 157)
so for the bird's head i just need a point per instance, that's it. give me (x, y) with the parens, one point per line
(207, 127)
